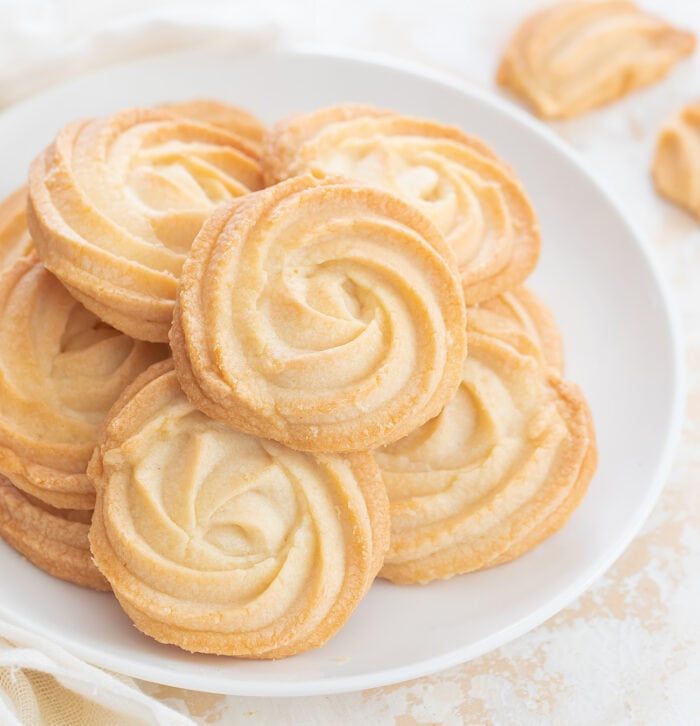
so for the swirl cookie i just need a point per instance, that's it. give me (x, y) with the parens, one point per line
(322, 314)
(114, 204)
(457, 181)
(499, 470)
(220, 542)
(676, 168)
(223, 115)
(289, 135)
(15, 241)
(520, 318)
(60, 371)
(574, 56)
(55, 540)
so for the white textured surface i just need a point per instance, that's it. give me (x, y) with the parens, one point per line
(629, 650)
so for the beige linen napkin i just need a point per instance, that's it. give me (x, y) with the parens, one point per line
(42, 684)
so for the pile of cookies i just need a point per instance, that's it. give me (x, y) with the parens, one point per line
(246, 371)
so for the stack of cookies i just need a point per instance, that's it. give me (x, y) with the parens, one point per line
(245, 372)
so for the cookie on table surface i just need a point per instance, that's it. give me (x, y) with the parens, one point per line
(456, 180)
(572, 57)
(499, 470)
(114, 204)
(60, 371)
(322, 314)
(55, 540)
(676, 167)
(221, 542)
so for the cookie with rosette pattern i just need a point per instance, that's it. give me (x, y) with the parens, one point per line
(114, 204)
(221, 542)
(61, 368)
(500, 469)
(456, 180)
(323, 314)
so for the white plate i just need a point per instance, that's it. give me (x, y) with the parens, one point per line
(621, 346)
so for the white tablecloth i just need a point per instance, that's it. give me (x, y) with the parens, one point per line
(628, 651)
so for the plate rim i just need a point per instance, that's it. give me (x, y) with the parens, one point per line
(388, 676)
